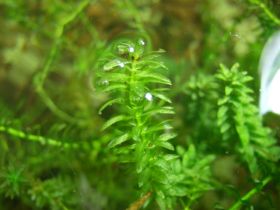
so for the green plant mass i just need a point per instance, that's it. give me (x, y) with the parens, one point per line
(129, 105)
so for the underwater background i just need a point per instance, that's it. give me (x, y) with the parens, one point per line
(137, 104)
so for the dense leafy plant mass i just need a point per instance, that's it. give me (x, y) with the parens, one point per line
(132, 76)
(238, 118)
(94, 114)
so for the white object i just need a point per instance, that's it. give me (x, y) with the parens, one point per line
(270, 76)
(131, 49)
(141, 42)
(121, 64)
(149, 96)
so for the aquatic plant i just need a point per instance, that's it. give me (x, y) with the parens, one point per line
(94, 114)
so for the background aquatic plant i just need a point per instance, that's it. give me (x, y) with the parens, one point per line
(94, 117)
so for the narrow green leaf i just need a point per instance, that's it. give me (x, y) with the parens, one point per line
(225, 127)
(222, 111)
(109, 103)
(118, 77)
(166, 110)
(179, 191)
(155, 77)
(228, 90)
(114, 87)
(167, 136)
(243, 134)
(162, 97)
(119, 140)
(114, 120)
(165, 125)
(113, 64)
(170, 157)
(162, 164)
(159, 110)
(166, 145)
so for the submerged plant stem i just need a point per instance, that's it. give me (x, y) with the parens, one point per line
(269, 14)
(251, 193)
(41, 77)
(36, 138)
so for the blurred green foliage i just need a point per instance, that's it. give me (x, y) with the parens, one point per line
(70, 69)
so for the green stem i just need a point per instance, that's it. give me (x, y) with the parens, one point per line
(269, 14)
(53, 107)
(136, 112)
(251, 193)
(137, 115)
(139, 23)
(36, 138)
(41, 77)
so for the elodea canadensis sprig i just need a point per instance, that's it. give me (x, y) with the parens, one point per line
(134, 79)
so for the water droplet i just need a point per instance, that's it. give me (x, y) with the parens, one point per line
(105, 82)
(131, 49)
(121, 64)
(112, 64)
(235, 35)
(141, 42)
(149, 96)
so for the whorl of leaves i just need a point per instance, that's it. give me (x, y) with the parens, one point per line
(134, 80)
(239, 119)
(200, 106)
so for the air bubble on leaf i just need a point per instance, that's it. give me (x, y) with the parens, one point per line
(105, 82)
(141, 42)
(235, 35)
(121, 64)
(131, 49)
(149, 96)
(112, 64)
